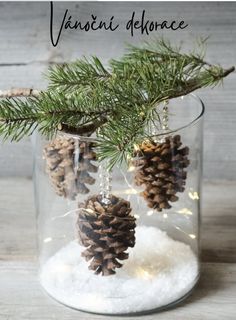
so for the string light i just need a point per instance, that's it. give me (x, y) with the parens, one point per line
(130, 191)
(126, 191)
(185, 211)
(89, 210)
(62, 268)
(65, 214)
(141, 273)
(128, 157)
(191, 235)
(193, 195)
(49, 239)
(131, 168)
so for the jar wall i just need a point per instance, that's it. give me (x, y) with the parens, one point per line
(163, 263)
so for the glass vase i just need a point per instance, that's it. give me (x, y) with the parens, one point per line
(126, 241)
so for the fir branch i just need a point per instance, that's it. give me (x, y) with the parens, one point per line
(48, 112)
(117, 139)
(117, 102)
(69, 78)
(17, 119)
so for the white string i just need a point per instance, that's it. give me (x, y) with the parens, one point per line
(105, 183)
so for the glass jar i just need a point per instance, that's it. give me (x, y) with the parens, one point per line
(124, 242)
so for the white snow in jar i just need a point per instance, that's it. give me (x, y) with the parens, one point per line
(159, 271)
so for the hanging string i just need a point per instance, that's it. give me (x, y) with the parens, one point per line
(76, 155)
(164, 125)
(164, 122)
(105, 183)
(165, 117)
(104, 178)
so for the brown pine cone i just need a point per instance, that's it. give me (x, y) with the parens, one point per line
(161, 169)
(68, 166)
(107, 231)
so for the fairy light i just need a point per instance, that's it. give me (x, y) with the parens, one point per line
(65, 214)
(130, 191)
(193, 195)
(185, 211)
(126, 191)
(62, 269)
(141, 273)
(89, 210)
(131, 168)
(165, 215)
(128, 157)
(49, 239)
(191, 235)
(150, 213)
(136, 147)
(136, 216)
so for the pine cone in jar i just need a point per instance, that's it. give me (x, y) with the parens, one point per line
(161, 169)
(107, 231)
(69, 164)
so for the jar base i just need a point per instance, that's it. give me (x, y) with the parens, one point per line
(159, 273)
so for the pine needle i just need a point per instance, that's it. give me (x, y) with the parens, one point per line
(117, 102)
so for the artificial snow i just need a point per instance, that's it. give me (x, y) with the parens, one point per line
(159, 271)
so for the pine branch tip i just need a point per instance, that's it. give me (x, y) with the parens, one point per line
(228, 71)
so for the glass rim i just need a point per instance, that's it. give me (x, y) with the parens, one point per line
(193, 122)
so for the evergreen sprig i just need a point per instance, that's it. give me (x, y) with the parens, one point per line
(117, 102)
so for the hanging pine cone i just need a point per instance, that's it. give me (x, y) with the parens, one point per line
(107, 231)
(69, 165)
(161, 169)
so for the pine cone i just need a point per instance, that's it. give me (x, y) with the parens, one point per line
(68, 168)
(161, 170)
(107, 231)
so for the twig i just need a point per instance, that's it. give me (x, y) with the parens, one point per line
(228, 71)
(86, 129)
(191, 86)
(19, 92)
